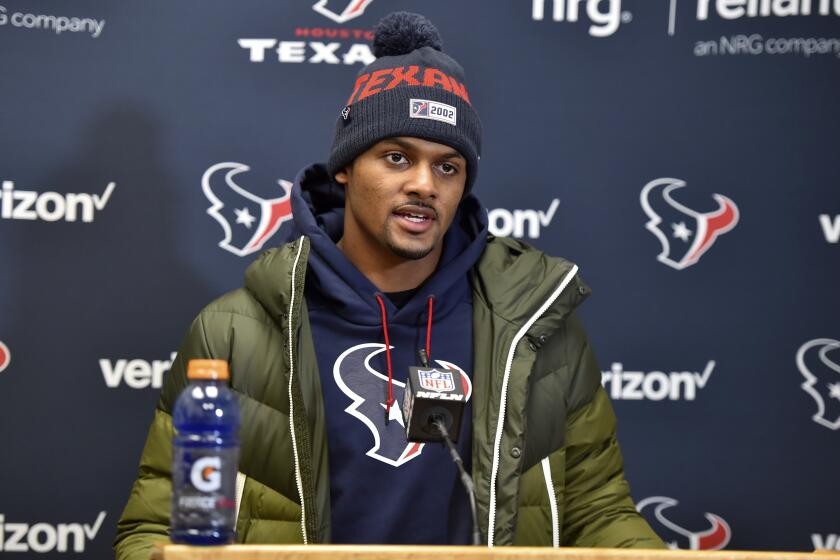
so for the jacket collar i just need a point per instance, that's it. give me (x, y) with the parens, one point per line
(511, 278)
(268, 278)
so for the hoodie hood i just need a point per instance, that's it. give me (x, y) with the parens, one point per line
(318, 212)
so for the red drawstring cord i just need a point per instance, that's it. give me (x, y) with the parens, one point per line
(390, 400)
(429, 331)
(388, 358)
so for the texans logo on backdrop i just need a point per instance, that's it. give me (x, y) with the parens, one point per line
(5, 356)
(248, 221)
(367, 389)
(685, 234)
(713, 534)
(341, 11)
(822, 379)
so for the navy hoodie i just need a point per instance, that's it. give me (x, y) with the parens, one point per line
(383, 489)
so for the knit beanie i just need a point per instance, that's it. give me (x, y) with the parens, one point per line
(414, 89)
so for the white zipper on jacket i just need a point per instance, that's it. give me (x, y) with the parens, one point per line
(240, 488)
(298, 477)
(491, 522)
(552, 503)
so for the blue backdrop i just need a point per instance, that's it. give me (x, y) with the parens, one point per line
(683, 152)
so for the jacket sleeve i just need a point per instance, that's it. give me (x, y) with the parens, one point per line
(145, 519)
(599, 511)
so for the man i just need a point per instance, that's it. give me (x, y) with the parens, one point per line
(390, 255)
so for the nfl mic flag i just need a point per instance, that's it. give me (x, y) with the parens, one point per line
(432, 394)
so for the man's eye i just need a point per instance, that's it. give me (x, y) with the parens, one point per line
(448, 169)
(395, 158)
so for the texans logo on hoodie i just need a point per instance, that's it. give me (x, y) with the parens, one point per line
(367, 389)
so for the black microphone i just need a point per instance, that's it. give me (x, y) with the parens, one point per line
(433, 406)
(432, 392)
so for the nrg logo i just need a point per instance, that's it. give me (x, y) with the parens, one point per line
(603, 23)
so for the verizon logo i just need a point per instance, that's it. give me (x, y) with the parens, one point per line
(826, 542)
(136, 373)
(627, 385)
(51, 206)
(45, 537)
(521, 223)
(830, 227)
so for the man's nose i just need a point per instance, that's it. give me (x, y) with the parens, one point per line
(421, 181)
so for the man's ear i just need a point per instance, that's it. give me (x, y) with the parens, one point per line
(343, 176)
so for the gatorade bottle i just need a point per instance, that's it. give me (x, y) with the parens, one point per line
(205, 457)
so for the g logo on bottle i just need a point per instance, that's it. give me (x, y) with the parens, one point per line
(205, 474)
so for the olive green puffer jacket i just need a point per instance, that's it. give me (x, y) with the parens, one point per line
(546, 464)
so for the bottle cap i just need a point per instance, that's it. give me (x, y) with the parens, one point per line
(208, 369)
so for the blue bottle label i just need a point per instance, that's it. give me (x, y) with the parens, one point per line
(204, 488)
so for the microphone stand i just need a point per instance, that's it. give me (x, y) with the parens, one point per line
(466, 480)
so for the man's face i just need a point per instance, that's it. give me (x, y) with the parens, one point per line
(401, 197)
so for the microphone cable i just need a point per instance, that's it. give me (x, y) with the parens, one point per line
(466, 479)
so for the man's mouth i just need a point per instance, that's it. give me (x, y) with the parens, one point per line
(415, 219)
(416, 214)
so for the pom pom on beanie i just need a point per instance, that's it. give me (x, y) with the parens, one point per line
(400, 33)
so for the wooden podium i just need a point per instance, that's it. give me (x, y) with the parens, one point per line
(340, 552)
